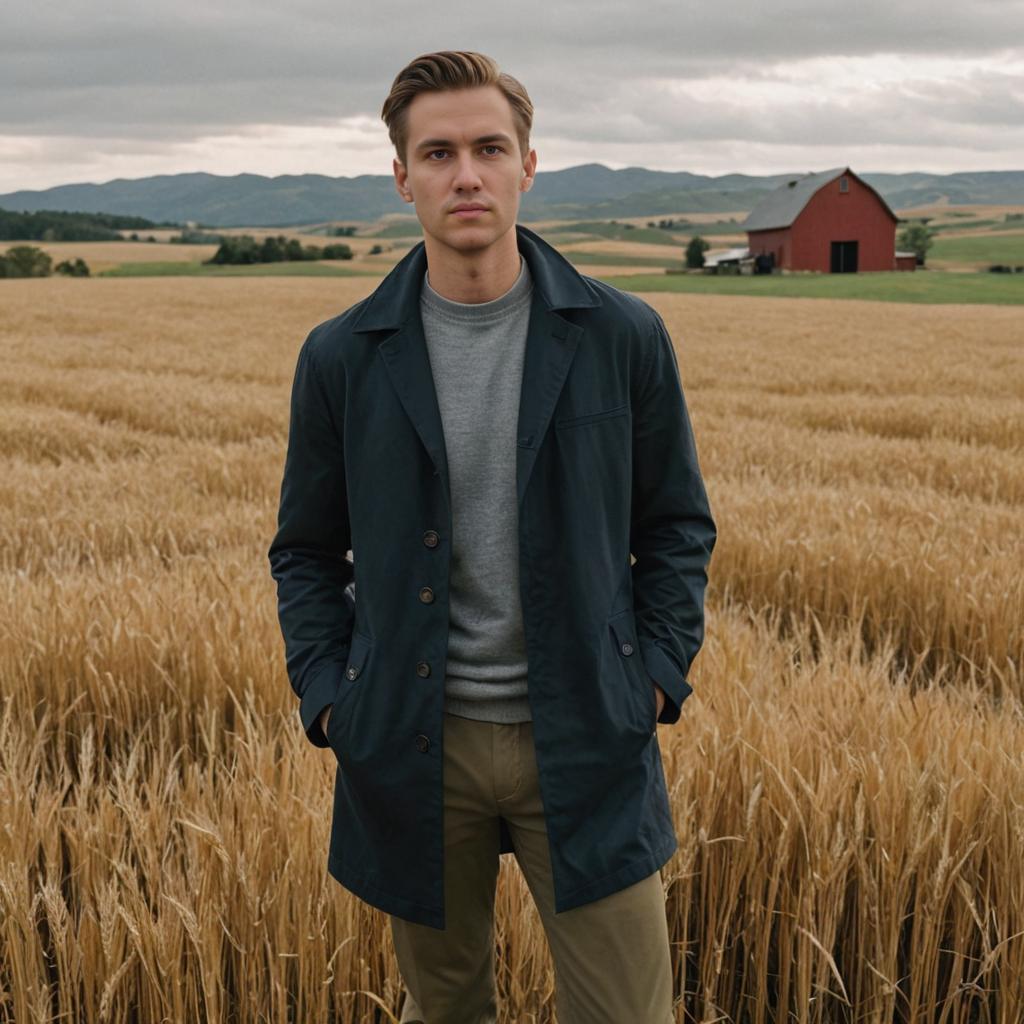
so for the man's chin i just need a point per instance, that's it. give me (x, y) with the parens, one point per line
(469, 239)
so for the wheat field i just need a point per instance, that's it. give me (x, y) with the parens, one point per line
(847, 779)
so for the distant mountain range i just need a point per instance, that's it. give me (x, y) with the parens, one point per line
(583, 192)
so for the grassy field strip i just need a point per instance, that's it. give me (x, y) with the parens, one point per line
(938, 577)
(192, 408)
(744, 447)
(231, 330)
(150, 508)
(788, 346)
(991, 421)
(1005, 247)
(588, 257)
(925, 287)
(296, 268)
(37, 432)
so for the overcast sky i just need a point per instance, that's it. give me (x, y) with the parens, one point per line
(124, 89)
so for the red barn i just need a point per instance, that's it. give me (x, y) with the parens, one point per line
(832, 222)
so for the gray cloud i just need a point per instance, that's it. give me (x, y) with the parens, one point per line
(910, 112)
(150, 69)
(157, 75)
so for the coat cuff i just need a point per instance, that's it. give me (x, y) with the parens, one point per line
(322, 690)
(662, 669)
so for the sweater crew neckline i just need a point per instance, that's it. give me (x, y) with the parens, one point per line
(480, 312)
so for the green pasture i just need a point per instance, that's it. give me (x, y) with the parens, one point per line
(627, 233)
(925, 286)
(1006, 248)
(181, 268)
(964, 225)
(406, 228)
(676, 237)
(619, 259)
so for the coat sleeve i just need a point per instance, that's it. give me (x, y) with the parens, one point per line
(672, 533)
(308, 552)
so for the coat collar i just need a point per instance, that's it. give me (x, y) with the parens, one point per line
(551, 343)
(558, 284)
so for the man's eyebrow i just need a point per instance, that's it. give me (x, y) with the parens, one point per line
(447, 143)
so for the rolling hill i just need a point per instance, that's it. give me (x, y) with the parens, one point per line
(585, 191)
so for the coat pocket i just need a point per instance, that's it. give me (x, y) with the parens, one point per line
(591, 417)
(360, 648)
(622, 625)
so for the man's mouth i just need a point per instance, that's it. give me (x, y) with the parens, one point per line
(468, 212)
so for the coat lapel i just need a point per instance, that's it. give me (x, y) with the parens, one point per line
(550, 347)
(393, 309)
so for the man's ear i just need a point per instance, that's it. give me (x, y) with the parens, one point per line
(401, 180)
(529, 171)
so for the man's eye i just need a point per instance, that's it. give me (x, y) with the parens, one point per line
(498, 149)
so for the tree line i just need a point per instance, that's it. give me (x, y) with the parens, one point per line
(275, 249)
(66, 226)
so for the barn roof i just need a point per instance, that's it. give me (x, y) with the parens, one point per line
(784, 204)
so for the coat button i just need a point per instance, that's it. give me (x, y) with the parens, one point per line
(422, 743)
(430, 538)
(422, 669)
(426, 595)
(352, 672)
(627, 648)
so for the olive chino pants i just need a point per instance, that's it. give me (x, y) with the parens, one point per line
(611, 956)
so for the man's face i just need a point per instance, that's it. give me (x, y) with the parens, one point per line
(462, 149)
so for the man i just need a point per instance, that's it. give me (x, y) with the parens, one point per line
(494, 435)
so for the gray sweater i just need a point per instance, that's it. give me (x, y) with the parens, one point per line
(476, 358)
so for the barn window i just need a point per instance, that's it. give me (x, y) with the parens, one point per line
(844, 184)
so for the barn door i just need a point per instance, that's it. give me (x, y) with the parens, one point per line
(844, 257)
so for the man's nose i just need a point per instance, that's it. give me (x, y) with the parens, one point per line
(466, 173)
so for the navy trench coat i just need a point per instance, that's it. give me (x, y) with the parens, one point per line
(606, 469)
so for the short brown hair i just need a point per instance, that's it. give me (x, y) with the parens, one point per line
(452, 69)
